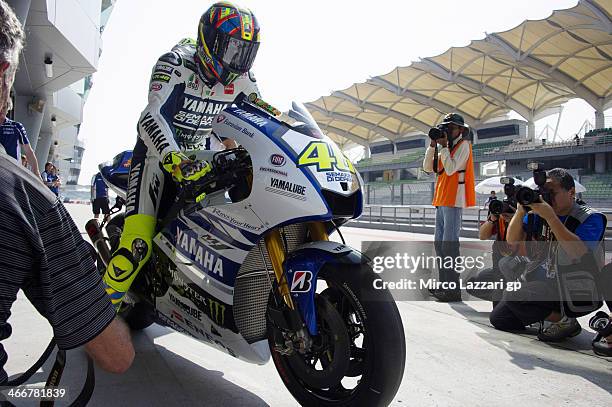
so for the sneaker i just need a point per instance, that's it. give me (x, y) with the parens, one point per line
(602, 348)
(558, 331)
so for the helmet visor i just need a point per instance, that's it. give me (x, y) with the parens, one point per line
(234, 53)
(239, 55)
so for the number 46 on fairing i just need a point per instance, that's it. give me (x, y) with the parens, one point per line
(325, 156)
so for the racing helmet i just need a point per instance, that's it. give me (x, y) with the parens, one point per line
(228, 40)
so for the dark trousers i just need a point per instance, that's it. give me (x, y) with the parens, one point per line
(529, 305)
(605, 285)
(523, 307)
(487, 275)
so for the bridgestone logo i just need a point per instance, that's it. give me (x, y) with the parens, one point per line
(301, 281)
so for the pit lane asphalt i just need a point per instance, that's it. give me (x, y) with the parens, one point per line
(454, 358)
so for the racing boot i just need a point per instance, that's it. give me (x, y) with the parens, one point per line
(133, 252)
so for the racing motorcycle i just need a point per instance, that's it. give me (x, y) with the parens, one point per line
(242, 261)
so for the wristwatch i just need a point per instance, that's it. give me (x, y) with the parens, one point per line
(491, 221)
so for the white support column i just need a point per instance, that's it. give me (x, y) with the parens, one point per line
(366, 152)
(30, 118)
(43, 147)
(21, 8)
(530, 130)
(599, 119)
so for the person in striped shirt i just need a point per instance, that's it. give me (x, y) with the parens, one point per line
(42, 252)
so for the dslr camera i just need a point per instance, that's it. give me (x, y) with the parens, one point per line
(496, 206)
(525, 195)
(438, 132)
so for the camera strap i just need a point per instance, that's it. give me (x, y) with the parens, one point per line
(451, 145)
(435, 161)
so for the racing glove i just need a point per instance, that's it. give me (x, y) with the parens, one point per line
(183, 169)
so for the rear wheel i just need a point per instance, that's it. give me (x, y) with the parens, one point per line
(138, 316)
(360, 333)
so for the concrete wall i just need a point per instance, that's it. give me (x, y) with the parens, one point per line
(68, 32)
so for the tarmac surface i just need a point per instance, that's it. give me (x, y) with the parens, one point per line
(454, 358)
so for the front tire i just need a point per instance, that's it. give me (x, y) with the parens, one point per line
(377, 344)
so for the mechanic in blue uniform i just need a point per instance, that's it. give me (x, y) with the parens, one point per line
(14, 139)
(99, 197)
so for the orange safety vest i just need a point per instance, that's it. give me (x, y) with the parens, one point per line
(447, 185)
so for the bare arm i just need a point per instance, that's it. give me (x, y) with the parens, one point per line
(515, 232)
(486, 229)
(112, 350)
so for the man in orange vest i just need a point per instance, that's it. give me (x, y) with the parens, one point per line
(454, 190)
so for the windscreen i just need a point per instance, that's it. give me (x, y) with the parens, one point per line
(304, 122)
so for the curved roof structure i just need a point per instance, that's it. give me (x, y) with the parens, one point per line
(531, 69)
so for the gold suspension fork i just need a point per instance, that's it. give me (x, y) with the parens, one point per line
(274, 245)
(318, 232)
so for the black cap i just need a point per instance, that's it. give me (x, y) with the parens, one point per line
(455, 118)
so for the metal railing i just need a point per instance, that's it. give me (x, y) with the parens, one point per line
(415, 215)
(422, 218)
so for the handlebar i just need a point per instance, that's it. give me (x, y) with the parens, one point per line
(229, 167)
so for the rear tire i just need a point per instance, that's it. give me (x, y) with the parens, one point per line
(378, 347)
(139, 316)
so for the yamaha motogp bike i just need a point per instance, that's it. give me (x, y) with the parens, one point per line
(243, 262)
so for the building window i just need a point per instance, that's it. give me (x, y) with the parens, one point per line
(499, 131)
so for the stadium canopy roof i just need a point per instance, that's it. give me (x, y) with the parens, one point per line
(531, 69)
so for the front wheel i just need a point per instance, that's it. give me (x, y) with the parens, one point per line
(368, 345)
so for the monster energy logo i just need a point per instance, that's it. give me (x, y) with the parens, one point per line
(217, 311)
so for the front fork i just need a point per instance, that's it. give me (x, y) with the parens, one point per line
(274, 245)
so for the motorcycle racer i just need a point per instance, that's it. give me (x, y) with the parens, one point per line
(189, 86)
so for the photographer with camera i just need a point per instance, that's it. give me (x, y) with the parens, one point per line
(499, 215)
(454, 190)
(572, 233)
(491, 197)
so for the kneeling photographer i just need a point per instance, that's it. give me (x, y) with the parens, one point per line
(498, 217)
(570, 237)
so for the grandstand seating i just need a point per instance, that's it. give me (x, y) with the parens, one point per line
(488, 148)
(598, 132)
(598, 187)
(408, 157)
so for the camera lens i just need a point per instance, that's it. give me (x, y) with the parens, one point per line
(496, 207)
(526, 196)
(507, 208)
(435, 133)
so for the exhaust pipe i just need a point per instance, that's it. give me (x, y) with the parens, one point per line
(97, 239)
